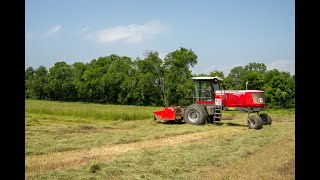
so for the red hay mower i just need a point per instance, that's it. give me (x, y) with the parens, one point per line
(208, 101)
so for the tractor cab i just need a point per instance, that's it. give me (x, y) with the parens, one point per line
(204, 89)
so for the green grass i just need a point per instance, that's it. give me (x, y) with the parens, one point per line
(89, 110)
(217, 151)
(45, 134)
(178, 162)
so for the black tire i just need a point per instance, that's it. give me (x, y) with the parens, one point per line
(211, 120)
(195, 114)
(266, 119)
(254, 122)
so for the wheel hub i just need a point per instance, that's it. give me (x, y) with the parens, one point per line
(193, 116)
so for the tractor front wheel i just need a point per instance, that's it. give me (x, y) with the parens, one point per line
(254, 122)
(195, 114)
(266, 119)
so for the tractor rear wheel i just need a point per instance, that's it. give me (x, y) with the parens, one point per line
(266, 119)
(254, 122)
(195, 114)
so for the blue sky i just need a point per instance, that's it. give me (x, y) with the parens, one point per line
(222, 33)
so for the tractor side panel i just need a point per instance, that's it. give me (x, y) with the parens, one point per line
(235, 99)
(241, 98)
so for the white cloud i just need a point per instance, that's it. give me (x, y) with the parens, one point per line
(132, 33)
(53, 30)
(282, 65)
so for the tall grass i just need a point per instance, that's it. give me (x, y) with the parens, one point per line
(89, 110)
(109, 112)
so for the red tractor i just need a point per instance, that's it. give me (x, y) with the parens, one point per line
(208, 101)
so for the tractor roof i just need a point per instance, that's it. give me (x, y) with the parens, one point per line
(207, 78)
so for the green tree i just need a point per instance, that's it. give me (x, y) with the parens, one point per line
(220, 74)
(178, 84)
(117, 81)
(29, 80)
(279, 89)
(35, 82)
(257, 67)
(235, 76)
(150, 80)
(251, 74)
(60, 83)
(255, 80)
(94, 88)
(78, 69)
(217, 73)
(200, 75)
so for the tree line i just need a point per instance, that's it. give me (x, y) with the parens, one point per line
(149, 81)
